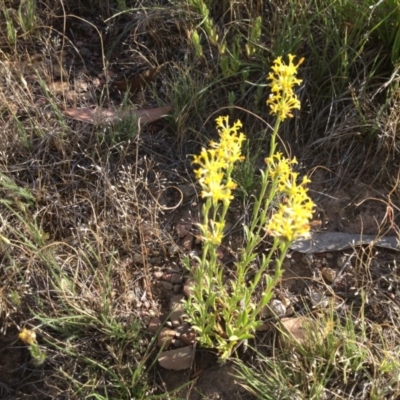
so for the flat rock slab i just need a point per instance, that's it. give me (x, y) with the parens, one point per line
(320, 242)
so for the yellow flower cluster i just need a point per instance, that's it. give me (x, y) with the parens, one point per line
(291, 220)
(283, 78)
(219, 158)
(27, 336)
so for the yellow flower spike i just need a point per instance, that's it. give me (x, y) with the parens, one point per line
(283, 79)
(230, 144)
(27, 336)
(219, 158)
(217, 192)
(291, 220)
(279, 166)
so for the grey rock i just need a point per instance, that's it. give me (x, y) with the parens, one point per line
(167, 285)
(177, 309)
(177, 359)
(176, 278)
(165, 337)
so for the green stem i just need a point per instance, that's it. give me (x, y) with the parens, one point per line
(273, 136)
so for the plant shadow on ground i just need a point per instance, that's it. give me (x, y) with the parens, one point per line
(95, 219)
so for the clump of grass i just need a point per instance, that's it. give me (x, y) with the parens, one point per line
(345, 84)
(22, 21)
(116, 362)
(62, 270)
(343, 356)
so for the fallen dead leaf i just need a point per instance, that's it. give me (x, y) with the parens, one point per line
(100, 116)
(297, 330)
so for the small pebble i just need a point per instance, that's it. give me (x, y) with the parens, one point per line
(181, 230)
(341, 260)
(186, 333)
(173, 250)
(155, 260)
(277, 307)
(154, 325)
(85, 52)
(187, 287)
(176, 278)
(274, 308)
(319, 300)
(165, 337)
(286, 302)
(307, 259)
(187, 242)
(167, 285)
(177, 309)
(328, 274)
(174, 271)
(137, 258)
(158, 274)
(166, 277)
(189, 338)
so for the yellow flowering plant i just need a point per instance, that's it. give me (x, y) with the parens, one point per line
(226, 313)
(282, 99)
(28, 337)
